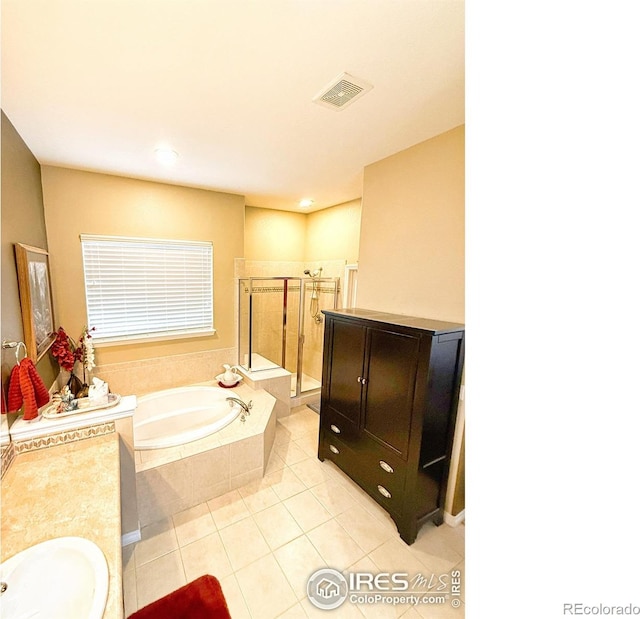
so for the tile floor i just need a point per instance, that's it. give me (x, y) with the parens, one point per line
(264, 540)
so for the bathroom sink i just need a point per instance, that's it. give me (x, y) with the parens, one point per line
(62, 578)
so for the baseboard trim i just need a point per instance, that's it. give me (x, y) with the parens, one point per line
(131, 538)
(454, 521)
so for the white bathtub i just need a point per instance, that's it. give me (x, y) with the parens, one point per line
(181, 415)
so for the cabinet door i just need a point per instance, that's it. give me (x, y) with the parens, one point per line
(347, 359)
(390, 384)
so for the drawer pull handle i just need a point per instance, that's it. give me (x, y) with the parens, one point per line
(384, 492)
(335, 429)
(386, 467)
(334, 449)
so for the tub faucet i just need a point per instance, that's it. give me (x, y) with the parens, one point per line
(245, 407)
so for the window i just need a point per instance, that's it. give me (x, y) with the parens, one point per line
(147, 288)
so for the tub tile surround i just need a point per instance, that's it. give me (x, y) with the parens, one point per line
(149, 375)
(177, 478)
(277, 382)
(264, 539)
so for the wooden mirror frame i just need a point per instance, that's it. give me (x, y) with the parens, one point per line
(36, 299)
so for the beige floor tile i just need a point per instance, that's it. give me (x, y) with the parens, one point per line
(346, 611)
(377, 511)
(300, 423)
(257, 498)
(285, 483)
(394, 556)
(277, 525)
(244, 543)
(228, 509)
(383, 610)
(434, 550)
(159, 577)
(308, 442)
(299, 560)
(335, 545)
(205, 556)
(290, 452)
(295, 612)
(333, 496)
(312, 472)
(367, 531)
(234, 598)
(447, 536)
(158, 539)
(282, 437)
(265, 588)
(275, 463)
(307, 510)
(440, 611)
(193, 524)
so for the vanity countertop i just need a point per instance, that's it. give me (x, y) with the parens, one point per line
(70, 489)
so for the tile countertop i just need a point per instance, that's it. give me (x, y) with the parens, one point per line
(71, 489)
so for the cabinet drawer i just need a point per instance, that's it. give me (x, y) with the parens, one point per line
(380, 466)
(388, 497)
(338, 452)
(338, 426)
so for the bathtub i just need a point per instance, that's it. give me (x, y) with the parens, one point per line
(177, 416)
(182, 460)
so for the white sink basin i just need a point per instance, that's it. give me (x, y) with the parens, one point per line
(62, 578)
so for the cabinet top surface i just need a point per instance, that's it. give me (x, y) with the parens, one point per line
(435, 327)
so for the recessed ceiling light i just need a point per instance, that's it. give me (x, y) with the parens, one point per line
(166, 156)
(305, 203)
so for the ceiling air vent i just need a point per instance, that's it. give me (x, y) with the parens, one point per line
(342, 91)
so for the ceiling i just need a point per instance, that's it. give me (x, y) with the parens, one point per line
(100, 84)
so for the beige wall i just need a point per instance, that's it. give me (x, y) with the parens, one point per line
(22, 222)
(330, 234)
(334, 233)
(79, 202)
(274, 235)
(412, 247)
(412, 233)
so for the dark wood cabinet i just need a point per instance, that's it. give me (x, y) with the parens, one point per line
(390, 387)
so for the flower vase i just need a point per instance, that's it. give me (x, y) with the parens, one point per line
(75, 385)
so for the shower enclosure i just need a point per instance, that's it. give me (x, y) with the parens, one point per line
(281, 325)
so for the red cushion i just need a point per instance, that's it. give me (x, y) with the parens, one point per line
(200, 599)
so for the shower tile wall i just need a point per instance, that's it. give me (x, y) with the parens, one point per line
(270, 340)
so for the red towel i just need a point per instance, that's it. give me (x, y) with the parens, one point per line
(26, 388)
(42, 393)
(14, 399)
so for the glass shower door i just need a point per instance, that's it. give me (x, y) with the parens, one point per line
(318, 294)
(268, 323)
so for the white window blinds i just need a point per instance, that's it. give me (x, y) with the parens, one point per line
(147, 288)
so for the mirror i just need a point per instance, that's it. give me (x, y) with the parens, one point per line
(36, 300)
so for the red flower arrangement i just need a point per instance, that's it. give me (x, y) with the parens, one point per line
(66, 352)
(62, 351)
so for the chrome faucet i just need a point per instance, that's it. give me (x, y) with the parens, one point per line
(245, 407)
